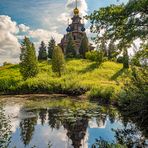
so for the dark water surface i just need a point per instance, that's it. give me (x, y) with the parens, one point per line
(59, 122)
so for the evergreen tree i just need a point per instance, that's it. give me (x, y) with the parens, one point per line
(112, 50)
(84, 47)
(42, 52)
(28, 64)
(125, 59)
(58, 62)
(51, 46)
(71, 47)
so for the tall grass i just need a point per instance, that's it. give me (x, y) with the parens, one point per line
(81, 77)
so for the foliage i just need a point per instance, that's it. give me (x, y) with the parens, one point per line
(42, 52)
(136, 88)
(71, 47)
(51, 46)
(84, 47)
(100, 143)
(141, 57)
(133, 97)
(58, 62)
(120, 59)
(130, 136)
(96, 56)
(28, 64)
(122, 23)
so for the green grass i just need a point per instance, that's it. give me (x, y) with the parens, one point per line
(81, 77)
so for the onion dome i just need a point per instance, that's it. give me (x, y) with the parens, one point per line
(83, 28)
(76, 11)
(68, 29)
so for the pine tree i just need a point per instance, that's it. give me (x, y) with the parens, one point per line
(51, 46)
(71, 47)
(58, 62)
(112, 50)
(125, 59)
(42, 52)
(84, 47)
(28, 64)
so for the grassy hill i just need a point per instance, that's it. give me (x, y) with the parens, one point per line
(81, 77)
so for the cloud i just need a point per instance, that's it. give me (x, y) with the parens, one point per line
(9, 45)
(12, 112)
(44, 35)
(23, 28)
(70, 5)
(11, 33)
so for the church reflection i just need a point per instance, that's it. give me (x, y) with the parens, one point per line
(74, 122)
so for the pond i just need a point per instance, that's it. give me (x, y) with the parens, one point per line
(62, 122)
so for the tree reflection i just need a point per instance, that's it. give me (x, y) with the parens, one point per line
(130, 136)
(27, 127)
(54, 118)
(42, 115)
(5, 130)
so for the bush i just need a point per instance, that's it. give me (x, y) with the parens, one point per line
(6, 64)
(120, 59)
(6, 84)
(102, 94)
(96, 56)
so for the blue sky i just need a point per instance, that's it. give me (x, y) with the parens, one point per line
(38, 19)
(31, 12)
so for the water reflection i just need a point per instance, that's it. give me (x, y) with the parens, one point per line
(66, 127)
(5, 130)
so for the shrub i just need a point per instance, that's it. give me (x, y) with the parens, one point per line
(96, 56)
(102, 94)
(120, 59)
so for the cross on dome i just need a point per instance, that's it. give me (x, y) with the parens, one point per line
(76, 10)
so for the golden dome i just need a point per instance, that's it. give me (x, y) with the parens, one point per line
(76, 11)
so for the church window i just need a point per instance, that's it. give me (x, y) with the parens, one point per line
(74, 37)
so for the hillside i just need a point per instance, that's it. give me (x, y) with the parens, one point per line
(81, 76)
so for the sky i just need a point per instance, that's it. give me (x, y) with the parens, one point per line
(39, 20)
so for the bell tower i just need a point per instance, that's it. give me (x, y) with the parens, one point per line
(76, 28)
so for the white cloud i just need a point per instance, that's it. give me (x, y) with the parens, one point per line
(71, 4)
(135, 46)
(11, 33)
(13, 112)
(23, 28)
(9, 45)
(44, 35)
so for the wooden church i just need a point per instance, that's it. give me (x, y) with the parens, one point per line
(76, 29)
